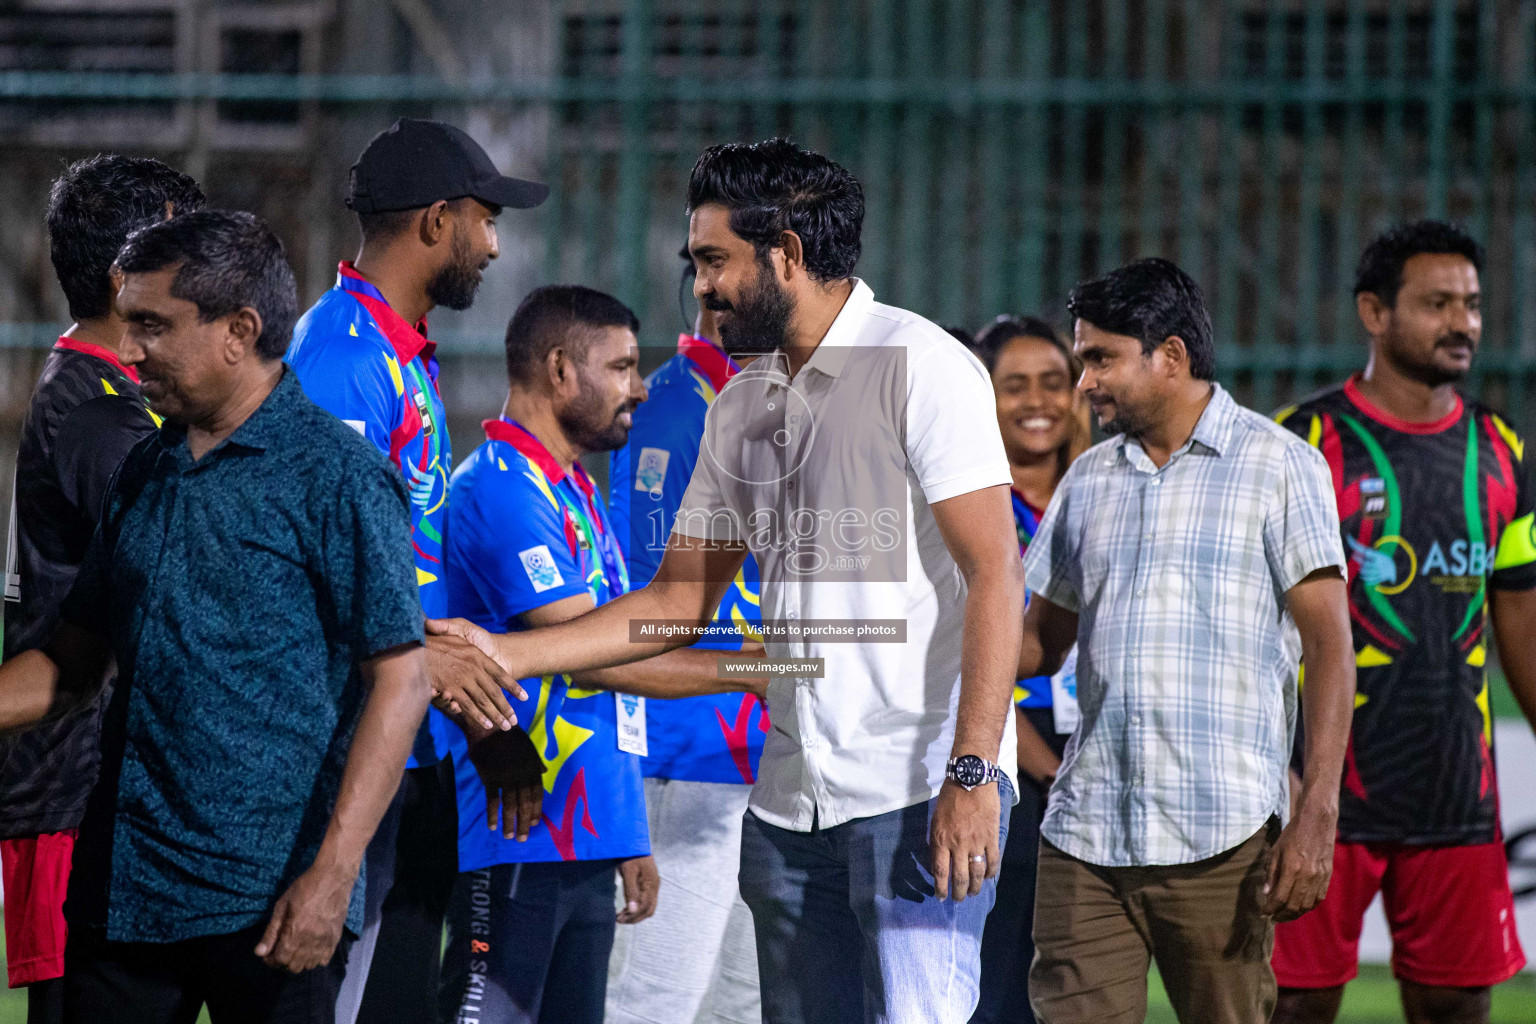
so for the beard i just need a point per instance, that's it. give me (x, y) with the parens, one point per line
(759, 318)
(455, 284)
(1124, 423)
(1133, 423)
(1426, 371)
(591, 424)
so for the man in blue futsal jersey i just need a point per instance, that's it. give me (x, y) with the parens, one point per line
(532, 921)
(426, 198)
(698, 949)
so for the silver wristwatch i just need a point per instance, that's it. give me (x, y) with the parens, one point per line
(971, 771)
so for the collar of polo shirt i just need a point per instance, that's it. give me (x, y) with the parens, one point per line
(831, 352)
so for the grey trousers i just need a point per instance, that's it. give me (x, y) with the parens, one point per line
(695, 960)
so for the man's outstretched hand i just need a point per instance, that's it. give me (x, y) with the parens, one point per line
(467, 676)
(512, 772)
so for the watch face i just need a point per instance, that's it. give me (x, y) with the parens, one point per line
(970, 770)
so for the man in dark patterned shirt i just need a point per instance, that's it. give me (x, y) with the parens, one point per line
(249, 576)
(84, 416)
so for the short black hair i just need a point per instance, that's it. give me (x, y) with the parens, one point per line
(390, 224)
(92, 209)
(1380, 271)
(775, 186)
(994, 337)
(225, 262)
(556, 315)
(1151, 299)
(385, 226)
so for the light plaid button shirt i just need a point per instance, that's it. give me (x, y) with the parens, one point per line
(1186, 669)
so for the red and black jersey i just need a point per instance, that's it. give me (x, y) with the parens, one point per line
(84, 416)
(1433, 515)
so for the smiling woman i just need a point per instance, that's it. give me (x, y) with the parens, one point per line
(1044, 423)
(1043, 419)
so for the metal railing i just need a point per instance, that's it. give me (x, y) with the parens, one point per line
(1009, 148)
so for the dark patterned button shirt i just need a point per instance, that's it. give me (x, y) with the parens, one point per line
(240, 592)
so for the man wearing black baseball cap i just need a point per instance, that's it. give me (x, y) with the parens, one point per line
(426, 198)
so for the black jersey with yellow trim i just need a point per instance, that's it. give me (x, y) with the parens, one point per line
(84, 416)
(1433, 515)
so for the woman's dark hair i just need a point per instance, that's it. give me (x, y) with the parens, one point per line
(993, 338)
(92, 209)
(775, 186)
(560, 315)
(1150, 299)
(225, 261)
(1380, 271)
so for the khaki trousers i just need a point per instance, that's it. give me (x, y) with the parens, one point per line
(1098, 929)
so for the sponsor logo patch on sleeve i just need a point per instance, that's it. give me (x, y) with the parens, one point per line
(540, 566)
(651, 469)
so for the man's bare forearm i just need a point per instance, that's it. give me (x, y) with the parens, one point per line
(688, 672)
(1049, 633)
(598, 639)
(397, 699)
(994, 605)
(1328, 704)
(29, 683)
(42, 685)
(1328, 710)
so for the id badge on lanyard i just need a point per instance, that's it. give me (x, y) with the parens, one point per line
(628, 709)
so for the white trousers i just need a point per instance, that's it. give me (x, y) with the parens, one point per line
(695, 959)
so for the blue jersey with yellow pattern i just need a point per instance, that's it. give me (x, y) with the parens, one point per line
(701, 739)
(524, 533)
(1034, 692)
(360, 361)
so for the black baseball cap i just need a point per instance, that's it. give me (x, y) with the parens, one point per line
(415, 163)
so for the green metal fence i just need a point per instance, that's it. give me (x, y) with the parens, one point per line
(1009, 148)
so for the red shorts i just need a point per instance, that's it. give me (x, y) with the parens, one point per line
(1449, 908)
(36, 873)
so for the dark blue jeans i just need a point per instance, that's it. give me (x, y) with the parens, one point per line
(848, 926)
(529, 943)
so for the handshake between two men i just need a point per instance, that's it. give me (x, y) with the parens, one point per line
(473, 670)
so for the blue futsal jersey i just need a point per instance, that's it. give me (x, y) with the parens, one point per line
(523, 533)
(1034, 692)
(360, 361)
(701, 739)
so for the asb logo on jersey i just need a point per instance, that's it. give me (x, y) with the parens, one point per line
(1461, 568)
(1379, 564)
(1391, 565)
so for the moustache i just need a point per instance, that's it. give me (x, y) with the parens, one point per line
(715, 304)
(1456, 339)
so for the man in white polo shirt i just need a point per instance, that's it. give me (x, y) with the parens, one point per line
(860, 463)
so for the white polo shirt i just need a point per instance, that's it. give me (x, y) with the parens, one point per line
(828, 478)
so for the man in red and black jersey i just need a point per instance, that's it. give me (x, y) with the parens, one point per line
(1435, 505)
(84, 416)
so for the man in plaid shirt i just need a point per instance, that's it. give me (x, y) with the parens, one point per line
(1194, 556)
